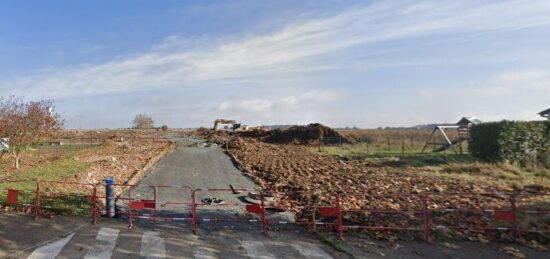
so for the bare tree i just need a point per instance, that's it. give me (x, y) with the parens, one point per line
(27, 123)
(142, 121)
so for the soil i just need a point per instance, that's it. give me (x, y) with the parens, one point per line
(303, 135)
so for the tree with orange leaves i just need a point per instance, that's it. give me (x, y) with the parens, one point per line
(27, 123)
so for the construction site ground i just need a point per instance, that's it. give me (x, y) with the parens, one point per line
(206, 166)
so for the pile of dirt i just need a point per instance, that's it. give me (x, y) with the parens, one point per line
(303, 135)
(122, 155)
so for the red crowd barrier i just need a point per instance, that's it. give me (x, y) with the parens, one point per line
(426, 212)
(422, 209)
(257, 209)
(46, 195)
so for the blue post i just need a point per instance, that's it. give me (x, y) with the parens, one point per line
(110, 196)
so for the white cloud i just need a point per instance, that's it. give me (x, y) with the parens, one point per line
(279, 109)
(179, 63)
(512, 95)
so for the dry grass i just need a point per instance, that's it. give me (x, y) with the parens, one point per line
(412, 138)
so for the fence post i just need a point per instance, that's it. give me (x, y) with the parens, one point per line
(339, 227)
(36, 212)
(265, 228)
(426, 216)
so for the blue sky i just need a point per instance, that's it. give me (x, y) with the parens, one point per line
(342, 63)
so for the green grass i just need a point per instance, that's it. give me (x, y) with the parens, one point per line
(70, 203)
(395, 156)
(53, 171)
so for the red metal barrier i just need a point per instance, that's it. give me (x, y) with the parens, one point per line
(48, 195)
(512, 212)
(426, 209)
(309, 206)
(252, 208)
(132, 207)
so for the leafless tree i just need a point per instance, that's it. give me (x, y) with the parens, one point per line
(27, 123)
(142, 121)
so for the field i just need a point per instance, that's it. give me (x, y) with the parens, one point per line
(86, 157)
(376, 175)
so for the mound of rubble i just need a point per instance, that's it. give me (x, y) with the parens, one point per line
(303, 135)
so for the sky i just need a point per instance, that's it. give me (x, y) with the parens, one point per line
(341, 63)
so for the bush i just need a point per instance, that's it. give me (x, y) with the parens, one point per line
(511, 141)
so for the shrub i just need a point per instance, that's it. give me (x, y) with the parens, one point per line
(511, 141)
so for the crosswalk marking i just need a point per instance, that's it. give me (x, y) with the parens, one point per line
(152, 246)
(50, 250)
(104, 249)
(202, 253)
(311, 251)
(256, 250)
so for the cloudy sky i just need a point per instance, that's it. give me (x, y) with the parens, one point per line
(342, 63)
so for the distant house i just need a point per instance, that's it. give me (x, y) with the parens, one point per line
(545, 114)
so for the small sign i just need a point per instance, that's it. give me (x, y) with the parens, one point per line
(137, 205)
(149, 204)
(13, 196)
(504, 215)
(253, 208)
(328, 212)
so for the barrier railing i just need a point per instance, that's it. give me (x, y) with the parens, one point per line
(230, 205)
(42, 196)
(517, 213)
(429, 211)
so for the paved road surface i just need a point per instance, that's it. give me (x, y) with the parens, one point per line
(110, 239)
(193, 165)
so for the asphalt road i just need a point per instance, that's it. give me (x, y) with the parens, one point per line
(194, 165)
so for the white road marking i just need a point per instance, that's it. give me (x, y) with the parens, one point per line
(201, 253)
(50, 250)
(152, 246)
(104, 249)
(311, 251)
(256, 249)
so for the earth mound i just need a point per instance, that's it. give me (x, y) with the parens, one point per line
(304, 135)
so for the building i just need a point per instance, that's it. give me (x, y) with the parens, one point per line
(545, 114)
(227, 125)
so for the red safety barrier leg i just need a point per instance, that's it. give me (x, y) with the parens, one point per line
(154, 207)
(265, 227)
(94, 205)
(36, 212)
(193, 213)
(426, 217)
(514, 215)
(339, 223)
(130, 222)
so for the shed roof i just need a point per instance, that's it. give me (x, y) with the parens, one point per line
(545, 113)
(467, 120)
